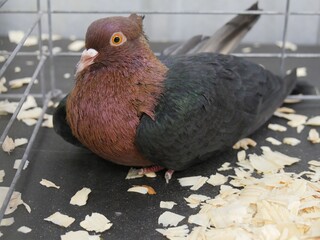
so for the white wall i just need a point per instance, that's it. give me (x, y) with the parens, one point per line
(302, 29)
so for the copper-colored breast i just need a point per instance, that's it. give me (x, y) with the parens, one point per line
(103, 112)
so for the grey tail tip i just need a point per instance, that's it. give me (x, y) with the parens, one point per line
(254, 7)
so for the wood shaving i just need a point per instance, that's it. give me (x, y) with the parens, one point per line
(241, 155)
(138, 189)
(7, 107)
(20, 141)
(246, 50)
(270, 162)
(285, 110)
(273, 141)
(54, 37)
(29, 103)
(195, 182)
(313, 174)
(151, 175)
(28, 208)
(24, 229)
(8, 144)
(19, 82)
(14, 202)
(96, 222)
(48, 184)
(29, 121)
(60, 219)
(17, 163)
(2, 174)
(151, 190)
(81, 197)
(5, 222)
(17, 69)
(48, 122)
(201, 219)
(300, 128)
(29, 63)
(17, 36)
(136, 173)
(217, 179)
(315, 121)
(56, 50)
(225, 167)
(194, 200)
(287, 45)
(76, 45)
(198, 233)
(277, 127)
(314, 163)
(79, 235)
(188, 181)
(2, 87)
(2, 58)
(170, 219)
(33, 113)
(180, 232)
(301, 72)
(314, 136)
(50, 104)
(245, 143)
(291, 141)
(294, 119)
(66, 75)
(199, 183)
(167, 204)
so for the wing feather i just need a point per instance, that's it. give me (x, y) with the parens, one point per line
(210, 101)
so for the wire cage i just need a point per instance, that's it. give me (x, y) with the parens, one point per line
(45, 57)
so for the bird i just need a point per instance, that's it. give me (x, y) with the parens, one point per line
(133, 108)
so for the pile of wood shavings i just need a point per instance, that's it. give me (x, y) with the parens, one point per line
(278, 205)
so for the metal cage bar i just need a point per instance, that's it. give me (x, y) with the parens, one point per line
(45, 96)
(213, 12)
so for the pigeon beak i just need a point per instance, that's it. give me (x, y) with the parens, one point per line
(87, 58)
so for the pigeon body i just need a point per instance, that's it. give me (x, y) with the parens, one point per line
(209, 102)
(129, 107)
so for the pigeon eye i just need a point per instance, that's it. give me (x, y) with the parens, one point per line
(117, 39)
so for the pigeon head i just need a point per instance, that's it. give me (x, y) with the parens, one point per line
(112, 39)
(113, 32)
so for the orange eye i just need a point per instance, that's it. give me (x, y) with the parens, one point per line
(117, 39)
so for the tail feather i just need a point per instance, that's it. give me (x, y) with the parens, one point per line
(228, 37)
(183, 48)
(281, 88)
(224, 40)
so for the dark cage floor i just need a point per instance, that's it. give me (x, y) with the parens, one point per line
(133, 215)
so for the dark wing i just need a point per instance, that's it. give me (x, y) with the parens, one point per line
(210, 101)
(61, 125)
(224, 40)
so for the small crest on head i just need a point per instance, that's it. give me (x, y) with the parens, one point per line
(137, 18)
